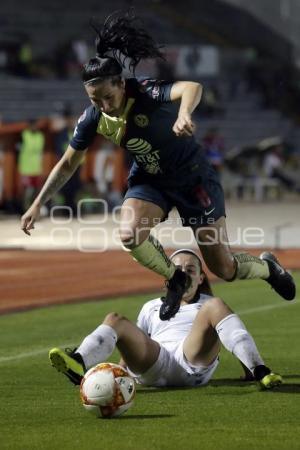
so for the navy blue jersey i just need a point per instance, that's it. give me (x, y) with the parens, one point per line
(160, 157)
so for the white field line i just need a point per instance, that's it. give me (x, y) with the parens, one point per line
(33, 353)
(284, 304)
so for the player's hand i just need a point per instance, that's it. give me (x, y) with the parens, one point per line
(28, 219)
(184, 126)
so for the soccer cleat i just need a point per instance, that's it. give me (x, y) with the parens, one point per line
(270, 381)
(265, 378)
(69, 363)
(176, 287)
(280, 280)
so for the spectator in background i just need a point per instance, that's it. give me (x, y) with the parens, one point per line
(192, 60)
(25, 59)
(69, 58)
(60, 61)
(61, 141)
(211, 104)
(273, 167)
(81, 51)
(165, 70)
(104, 173)
(213, 145)
(30, 162)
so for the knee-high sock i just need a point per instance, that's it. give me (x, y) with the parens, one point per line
(98, 346)
(249, 267)
(152, 255)
(236, 339)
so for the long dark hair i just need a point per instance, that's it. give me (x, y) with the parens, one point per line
(119, 39)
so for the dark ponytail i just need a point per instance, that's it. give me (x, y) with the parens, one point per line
(119, 39)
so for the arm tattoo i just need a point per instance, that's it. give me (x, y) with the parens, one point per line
(54, 182)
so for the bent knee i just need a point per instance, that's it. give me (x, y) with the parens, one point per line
(213, 304)
(113, 318)
(214, 310)
(131, 238)
(127, 237)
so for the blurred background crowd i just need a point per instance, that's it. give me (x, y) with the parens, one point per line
(246, 56)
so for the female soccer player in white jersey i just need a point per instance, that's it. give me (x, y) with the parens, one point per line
(183, 351)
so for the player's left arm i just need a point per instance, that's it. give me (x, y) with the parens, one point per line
(189, 93)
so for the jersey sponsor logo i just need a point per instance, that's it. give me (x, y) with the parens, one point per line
(144, 154)
(141, 120)
(139, 146)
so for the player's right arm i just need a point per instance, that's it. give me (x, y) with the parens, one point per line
(57, 178)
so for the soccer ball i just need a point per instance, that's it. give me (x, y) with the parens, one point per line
(107, 390)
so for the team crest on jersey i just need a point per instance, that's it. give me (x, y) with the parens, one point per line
(141, 120)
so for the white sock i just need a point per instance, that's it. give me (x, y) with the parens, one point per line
(98, 346)
(236, 339)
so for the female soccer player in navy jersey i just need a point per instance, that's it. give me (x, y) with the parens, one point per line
(152, 119)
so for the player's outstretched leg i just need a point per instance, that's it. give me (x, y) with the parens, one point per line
(280, 280)
(216, 320)
(69, 363)
(176, 286)
(236, 339)
(241, 266)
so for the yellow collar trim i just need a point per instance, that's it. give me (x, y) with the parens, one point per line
(113, 128)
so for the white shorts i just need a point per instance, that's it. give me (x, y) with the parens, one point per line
(173, 369)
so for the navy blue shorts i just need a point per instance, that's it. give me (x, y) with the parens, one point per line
(199, 205)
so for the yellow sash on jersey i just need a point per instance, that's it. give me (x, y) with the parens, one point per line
(113, 128)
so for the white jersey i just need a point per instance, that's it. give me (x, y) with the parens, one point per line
(169, 332)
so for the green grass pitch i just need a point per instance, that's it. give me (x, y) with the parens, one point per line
(41, 410)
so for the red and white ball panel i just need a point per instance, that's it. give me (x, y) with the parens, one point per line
(107, 390)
